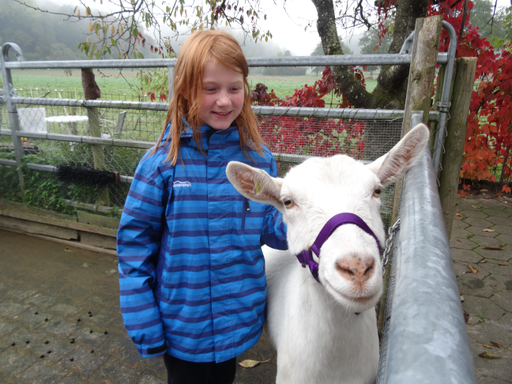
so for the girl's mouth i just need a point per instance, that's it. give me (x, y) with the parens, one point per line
(222, 114)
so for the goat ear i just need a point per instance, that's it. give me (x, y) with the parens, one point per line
(402, 156)
(255, 184)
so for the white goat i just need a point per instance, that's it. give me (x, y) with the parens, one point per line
(327, 332)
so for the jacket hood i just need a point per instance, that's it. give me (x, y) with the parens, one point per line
(206, 132)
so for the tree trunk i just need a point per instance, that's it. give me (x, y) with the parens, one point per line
(392, 81)
(326, 24)
(391, 86)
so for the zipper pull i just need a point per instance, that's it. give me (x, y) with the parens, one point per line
(247, 206)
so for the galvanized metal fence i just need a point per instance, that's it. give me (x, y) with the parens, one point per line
(37, 134)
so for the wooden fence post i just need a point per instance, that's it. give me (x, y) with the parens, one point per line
(423, 68)
(419, 92)
(92, 92)
(454, 143)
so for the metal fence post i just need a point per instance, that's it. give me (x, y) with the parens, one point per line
(7, 93)
(456, 128)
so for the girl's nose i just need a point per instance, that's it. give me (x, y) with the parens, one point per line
(223, 99)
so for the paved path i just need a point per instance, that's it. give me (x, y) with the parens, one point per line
(481, 246)
(60, 320)
(59, 307)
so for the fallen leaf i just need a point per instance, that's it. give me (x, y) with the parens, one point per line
(503, 264)
(482, 261)
(489, 230)
(490, 356)
(461, 298)
(251, 363)
(494, 248)
(498, 345)
(474, 206)
(474, 270)
(458, 214)
(484, 190)
(487, 346)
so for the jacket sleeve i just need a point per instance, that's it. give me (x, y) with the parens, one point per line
(274, 229)
(138, 246)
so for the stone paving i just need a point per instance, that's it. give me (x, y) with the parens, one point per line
(481, 246)
(60, 319)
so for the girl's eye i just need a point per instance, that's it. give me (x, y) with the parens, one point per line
(376, 192)
(289, 203)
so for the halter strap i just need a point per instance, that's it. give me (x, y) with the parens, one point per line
(306, 257)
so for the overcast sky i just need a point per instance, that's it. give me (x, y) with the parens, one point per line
(287, 24)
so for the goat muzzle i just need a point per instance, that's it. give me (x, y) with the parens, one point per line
(306, 257)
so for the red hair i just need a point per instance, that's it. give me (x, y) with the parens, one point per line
(199, 49)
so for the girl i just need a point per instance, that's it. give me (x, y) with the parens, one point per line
(191, 270)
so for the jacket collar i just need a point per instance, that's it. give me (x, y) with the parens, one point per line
(206, 132)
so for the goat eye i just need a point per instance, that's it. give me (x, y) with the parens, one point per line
(289, 204)
(376, 193)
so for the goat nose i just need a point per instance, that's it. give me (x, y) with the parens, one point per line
(355, 268)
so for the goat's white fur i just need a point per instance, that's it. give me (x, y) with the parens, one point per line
(318, 336)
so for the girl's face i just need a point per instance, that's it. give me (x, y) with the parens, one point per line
(223, 96)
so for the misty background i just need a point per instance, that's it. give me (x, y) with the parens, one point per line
(43, 36)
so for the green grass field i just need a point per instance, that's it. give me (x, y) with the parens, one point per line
(114, 83)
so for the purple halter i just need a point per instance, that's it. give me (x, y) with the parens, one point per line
(306, 257)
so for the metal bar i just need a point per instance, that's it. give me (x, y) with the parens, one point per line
(304, 61)
(444, 105)
(132, 63)
(5, 132)
(92, 207)
(337, 113)
(289, 158)
(426, 340)
(12, 112)
(9, 163)
(80, 139)
(145, 105)
(41, 167)
(332, 113)
(51, 168)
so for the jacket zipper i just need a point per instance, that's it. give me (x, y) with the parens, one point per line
(246, 208)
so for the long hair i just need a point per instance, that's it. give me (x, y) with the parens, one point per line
(197, 51)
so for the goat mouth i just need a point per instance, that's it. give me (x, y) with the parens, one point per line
(359, 300)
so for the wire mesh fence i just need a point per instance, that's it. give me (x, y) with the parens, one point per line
(292, 139)
(137, 125)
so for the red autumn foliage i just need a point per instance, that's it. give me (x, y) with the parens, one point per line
(489, 131)
(311, 135)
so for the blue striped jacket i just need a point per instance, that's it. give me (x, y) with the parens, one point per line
(191, 271)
